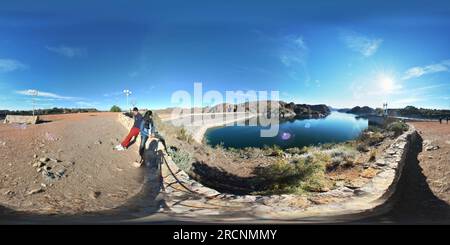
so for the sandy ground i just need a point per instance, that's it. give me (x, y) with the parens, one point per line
(95, 177)
(435, 164)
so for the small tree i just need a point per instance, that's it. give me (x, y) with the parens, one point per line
(115, 108)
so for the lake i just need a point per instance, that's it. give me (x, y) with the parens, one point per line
(337, 127)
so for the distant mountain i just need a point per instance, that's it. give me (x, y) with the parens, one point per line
(285, 109)
(361, 110)
(54, 110)
(344, 110)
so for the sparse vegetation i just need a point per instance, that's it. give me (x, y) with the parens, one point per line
(369, 137)
(184, 136)
(398, 128)
(295, 176)
(274, 151)
(181, 158)
(341, 156)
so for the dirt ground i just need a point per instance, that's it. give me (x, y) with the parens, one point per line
(435, 164)
(79, 147)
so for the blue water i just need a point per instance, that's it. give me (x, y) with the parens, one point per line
(337, 127)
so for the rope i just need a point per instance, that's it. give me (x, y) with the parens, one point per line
(163, 142)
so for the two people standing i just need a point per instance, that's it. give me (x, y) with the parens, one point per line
(142, 125)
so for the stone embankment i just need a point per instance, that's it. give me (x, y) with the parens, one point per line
(21, 119)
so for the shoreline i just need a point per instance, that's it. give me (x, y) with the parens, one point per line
(198, 132)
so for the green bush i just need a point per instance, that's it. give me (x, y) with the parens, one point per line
(115, 108)
(398, 128)
(341, 156)
(181, 158)
(295, 176)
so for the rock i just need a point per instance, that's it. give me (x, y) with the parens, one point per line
(137, 164)
(95, 194)
(432, 148)
(9, 193)
(55, 160)
(98, 142)
(44, 159)
(43, 185)
(339, 183)
(369, 173)
(359, 192)
(60, 173)
(38, 164)
(355, 184)
(38, 170)
(35, 156)
(35, 191)
(381, 163)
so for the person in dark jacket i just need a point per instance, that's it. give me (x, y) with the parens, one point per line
(147, 129)
(134, 131)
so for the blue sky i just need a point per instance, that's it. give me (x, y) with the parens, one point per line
(341, 53)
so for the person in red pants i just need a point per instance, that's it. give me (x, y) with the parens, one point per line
(134, 131)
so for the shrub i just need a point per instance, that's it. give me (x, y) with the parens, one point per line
(273, 151)
(297, 150)
(181, 158)
(184, 135)
(115, 108)
(398, 128)
(369, 138)
(341, 156)
(296, 176)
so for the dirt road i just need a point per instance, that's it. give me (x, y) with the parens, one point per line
(82, 173)
(435, 157)
(423, 194)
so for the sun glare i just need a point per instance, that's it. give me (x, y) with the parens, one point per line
(386, 82)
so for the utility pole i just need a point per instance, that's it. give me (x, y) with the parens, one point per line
(127, 93)
(385, 109)
(33, 93)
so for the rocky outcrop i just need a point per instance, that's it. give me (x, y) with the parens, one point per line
(365, 110)
(275, 108)
(304, 110)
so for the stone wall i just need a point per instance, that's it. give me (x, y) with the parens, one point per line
(185, 198)
(21, 119)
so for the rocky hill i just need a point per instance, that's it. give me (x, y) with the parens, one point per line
(365, 110)
(286, 110)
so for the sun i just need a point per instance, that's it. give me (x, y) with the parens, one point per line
(386, 82)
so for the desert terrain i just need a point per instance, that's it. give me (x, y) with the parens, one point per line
(66, 164)
(435, 157)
